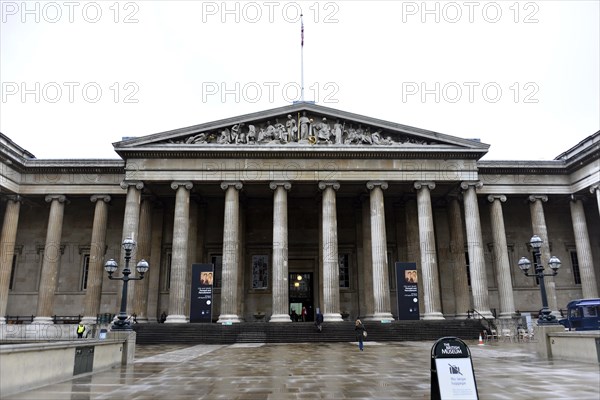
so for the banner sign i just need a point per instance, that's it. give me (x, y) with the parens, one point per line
(202, 293)
(452, 375)
(407, 290)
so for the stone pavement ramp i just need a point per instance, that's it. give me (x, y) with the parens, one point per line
(385, 370)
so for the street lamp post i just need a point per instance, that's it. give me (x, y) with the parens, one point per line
(111, 266)
(546, 317)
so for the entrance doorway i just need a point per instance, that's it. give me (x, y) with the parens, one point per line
(301, 294)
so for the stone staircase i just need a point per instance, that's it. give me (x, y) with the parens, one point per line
(303, 332)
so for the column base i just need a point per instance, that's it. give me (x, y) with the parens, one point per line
(43, 320)
(433, 315)
(176, 319)
(280, 318)
(88, 320)
(383, 317)
(332, 317)
(228, 318)
(2, 321)
(506, 315)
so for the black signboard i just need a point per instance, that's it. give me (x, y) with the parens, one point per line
(202, 293)
(408, 292)
(452, 375)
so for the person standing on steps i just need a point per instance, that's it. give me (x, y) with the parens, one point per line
(80, 330)
(360, 332)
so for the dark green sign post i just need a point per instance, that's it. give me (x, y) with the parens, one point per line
(452, 374)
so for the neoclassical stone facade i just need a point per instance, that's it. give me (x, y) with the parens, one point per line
(301, 205)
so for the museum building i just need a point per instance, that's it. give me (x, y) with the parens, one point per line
(302, 206)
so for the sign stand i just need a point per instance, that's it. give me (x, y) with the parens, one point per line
(452, 374)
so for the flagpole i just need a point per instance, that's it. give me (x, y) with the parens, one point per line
(301, 59)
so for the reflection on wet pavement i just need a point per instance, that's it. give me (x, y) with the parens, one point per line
(390, 370)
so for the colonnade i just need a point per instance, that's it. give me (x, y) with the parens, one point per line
(137, 224)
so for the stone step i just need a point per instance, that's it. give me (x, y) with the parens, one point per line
(301, 332)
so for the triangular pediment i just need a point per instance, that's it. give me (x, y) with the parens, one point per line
(299, 127)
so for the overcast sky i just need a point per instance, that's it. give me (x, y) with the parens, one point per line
(522, 76)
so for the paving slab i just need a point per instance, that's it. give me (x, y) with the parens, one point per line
(384, 370)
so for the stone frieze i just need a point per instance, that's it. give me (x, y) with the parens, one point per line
(302, 129)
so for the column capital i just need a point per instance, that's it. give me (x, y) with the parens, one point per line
(139, 185)
(334, 184)
(13, 197)
(60, 197)
(186, 184)
(595, 187)
(286, 185)
(104, 197)
(493, 197)
(371, 185)
(419, 184)
(237, 184)
(577, 197)
(465, 185)
(534, 197)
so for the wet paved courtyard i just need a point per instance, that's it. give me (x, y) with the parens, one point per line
(385, 370)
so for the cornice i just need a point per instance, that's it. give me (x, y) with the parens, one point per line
(321, 152)
(90, 166)
(554, 167)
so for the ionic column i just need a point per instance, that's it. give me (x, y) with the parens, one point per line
(413, 246)
(93, 292)
(331, 272)
(381, 287)
(280, 252)
(538, 224)
(140, 299)
(462, 298)
(192, 252)
(131, 220)
(231, 236)
(241, 256)
(50, 263)
(584, 250)
(596, 189)
(505, 291)
(367, 278)
(179, 255)
(431, 288)
(479, 285)
(7, 244)
(153, 274)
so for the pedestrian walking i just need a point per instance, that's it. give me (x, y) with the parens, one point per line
(319, 320)
(360, 332)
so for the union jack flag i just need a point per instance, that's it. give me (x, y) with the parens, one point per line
(301, 31)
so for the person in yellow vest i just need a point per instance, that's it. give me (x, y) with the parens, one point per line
(80, 330)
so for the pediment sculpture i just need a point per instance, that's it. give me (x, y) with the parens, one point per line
(301, 129)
